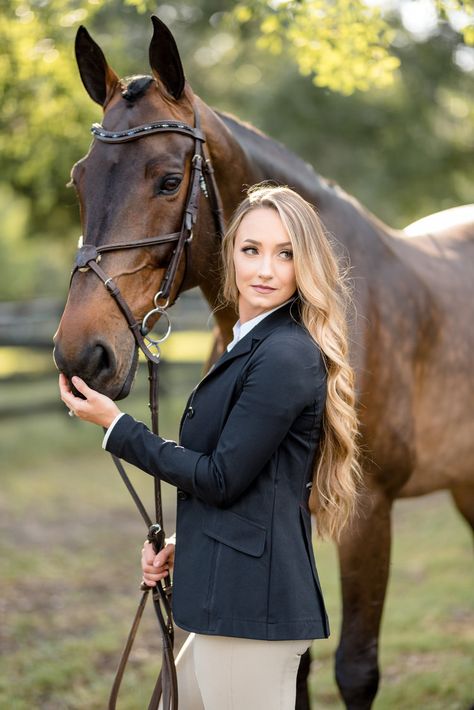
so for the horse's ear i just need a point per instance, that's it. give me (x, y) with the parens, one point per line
(98, 78)
(165, 61)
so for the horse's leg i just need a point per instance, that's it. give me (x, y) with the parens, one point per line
(463, 497)
(302, 694)
(364, 558)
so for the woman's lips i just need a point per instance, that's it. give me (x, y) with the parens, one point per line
(263, 289)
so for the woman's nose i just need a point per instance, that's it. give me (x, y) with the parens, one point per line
(265, 270)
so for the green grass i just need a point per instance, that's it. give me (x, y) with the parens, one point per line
(69, 576)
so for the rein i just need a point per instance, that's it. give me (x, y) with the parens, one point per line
(87, 258)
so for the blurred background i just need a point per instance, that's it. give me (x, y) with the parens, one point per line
(395, 129)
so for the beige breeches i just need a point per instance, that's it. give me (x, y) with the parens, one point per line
(226, 673)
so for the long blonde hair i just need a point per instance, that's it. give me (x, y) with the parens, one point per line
(324, 297)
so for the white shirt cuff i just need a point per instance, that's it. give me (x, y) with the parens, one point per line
(109, 430)
(171, 540)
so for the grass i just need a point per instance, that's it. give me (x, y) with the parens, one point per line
(69, 551)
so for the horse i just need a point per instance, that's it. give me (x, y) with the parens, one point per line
(411, 334)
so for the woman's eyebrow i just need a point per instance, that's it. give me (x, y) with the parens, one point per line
(254, 241)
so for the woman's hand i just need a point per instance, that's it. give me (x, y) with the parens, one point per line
(156, 566)
(95, 408)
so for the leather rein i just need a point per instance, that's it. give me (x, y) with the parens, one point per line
(87, 258)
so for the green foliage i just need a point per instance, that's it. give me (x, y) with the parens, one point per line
(30, 268)
(38, 113)
(403, 148)
(404, 151)
(464, 9)
(343, 44)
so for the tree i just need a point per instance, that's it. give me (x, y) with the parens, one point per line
(368, 140)
(344, 44)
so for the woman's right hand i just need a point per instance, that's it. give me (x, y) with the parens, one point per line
(156, 566)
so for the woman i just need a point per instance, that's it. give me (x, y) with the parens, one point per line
(268, 436)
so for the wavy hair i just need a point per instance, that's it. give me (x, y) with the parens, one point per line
(324, 300)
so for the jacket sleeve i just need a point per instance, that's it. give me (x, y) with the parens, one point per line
(280, 382)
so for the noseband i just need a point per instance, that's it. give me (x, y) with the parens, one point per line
(88, 256)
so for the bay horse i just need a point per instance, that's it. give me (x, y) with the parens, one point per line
(411, 337)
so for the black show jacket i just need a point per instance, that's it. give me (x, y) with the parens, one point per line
(244, 563)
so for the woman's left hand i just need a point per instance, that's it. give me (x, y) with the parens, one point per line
(95, 408)
(156, 566)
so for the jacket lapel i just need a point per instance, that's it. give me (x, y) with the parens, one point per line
(284, 315)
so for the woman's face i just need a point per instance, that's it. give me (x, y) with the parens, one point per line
(263, 261)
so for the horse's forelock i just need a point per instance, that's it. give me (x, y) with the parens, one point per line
(136, 86)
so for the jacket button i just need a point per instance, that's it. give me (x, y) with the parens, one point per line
(190, 412)
(182, 495)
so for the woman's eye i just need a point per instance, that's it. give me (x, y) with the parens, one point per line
(288, 254)
(169, 185)
(249, 249)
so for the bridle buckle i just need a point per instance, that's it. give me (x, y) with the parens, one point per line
(85, 254)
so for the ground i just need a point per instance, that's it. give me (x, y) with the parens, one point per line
(69, 577)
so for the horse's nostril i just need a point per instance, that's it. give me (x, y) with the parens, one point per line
(102, 360)
(95, 363)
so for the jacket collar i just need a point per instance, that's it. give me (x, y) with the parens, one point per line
(284, 315)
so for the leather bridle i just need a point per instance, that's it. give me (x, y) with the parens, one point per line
(88, 256)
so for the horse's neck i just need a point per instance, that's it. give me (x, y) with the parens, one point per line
(266, 159)
(243, 156)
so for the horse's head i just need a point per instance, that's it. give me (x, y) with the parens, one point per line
(131, 189)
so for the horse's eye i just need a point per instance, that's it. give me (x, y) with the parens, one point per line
(169, 184)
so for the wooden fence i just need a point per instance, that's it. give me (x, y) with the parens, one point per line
(29, 327)
(32, 324)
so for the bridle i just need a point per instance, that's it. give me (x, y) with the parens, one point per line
(202, 179)
(87, 258)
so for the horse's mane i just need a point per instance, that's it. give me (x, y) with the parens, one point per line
(272, 157)
(275, 159)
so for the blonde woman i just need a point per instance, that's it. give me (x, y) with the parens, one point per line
(267, 438)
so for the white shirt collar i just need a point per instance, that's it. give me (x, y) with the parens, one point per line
(241, 329)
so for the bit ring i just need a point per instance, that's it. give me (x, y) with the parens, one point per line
(144, 330)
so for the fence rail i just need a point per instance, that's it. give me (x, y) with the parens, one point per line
(33, 323)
